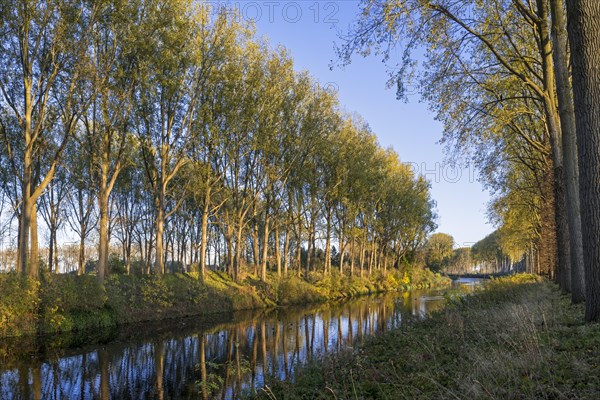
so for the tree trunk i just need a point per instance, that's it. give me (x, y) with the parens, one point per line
(230, 255)
(362, 258)
(159, 262)
(327, 266)
(255, 249)
(299, 252)
(342, 250)
(103, 245)
(373, 259)
(277, 251)
(309, 251)
(352, 243)
(547, 254)
(203, 242)
(238, 252)
(23, 251)
(265, 248)
(81, 260)
(584, 34)
(286, 252)
(313, 245)
(51, 249)
(569, 143)
(128, 254)
(55, 252)
(34, 264)
(554, 129)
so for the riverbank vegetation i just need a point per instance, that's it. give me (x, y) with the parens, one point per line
(63, 303)
(520, 338)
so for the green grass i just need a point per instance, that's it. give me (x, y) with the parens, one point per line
(519, 339)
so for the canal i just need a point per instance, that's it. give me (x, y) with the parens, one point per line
(226, 357)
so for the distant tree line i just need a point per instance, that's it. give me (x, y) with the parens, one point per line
(174, 134)
(487, 256)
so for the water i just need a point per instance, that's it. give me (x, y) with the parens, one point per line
(195, 358)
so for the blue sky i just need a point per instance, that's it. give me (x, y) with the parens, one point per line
(308, 29)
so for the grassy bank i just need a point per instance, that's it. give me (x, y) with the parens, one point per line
(519, 339)
(63, 303)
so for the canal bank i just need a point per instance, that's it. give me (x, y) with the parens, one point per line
(519, 339)
(227, 355)
(69, 303)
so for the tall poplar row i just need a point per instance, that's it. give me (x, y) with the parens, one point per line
(498, 74)
(167, 137)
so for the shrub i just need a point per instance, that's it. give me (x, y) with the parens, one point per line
(293, 290)
(64, 297)
(18, 304)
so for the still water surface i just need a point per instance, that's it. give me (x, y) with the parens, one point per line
(199, 359)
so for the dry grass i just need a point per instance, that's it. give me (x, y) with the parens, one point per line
(520, 339)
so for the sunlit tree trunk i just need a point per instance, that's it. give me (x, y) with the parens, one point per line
(230, 253)
(342, 250)
(299, 251)
(277, 251)
(362, 258)
(34, 264)
(327, 266)
(103, 221)
(372, 260)
(286, 252)
(352, 244)
(238, 252)
(159, 262)
(265, 247)
(309, 251)
(204, 241)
